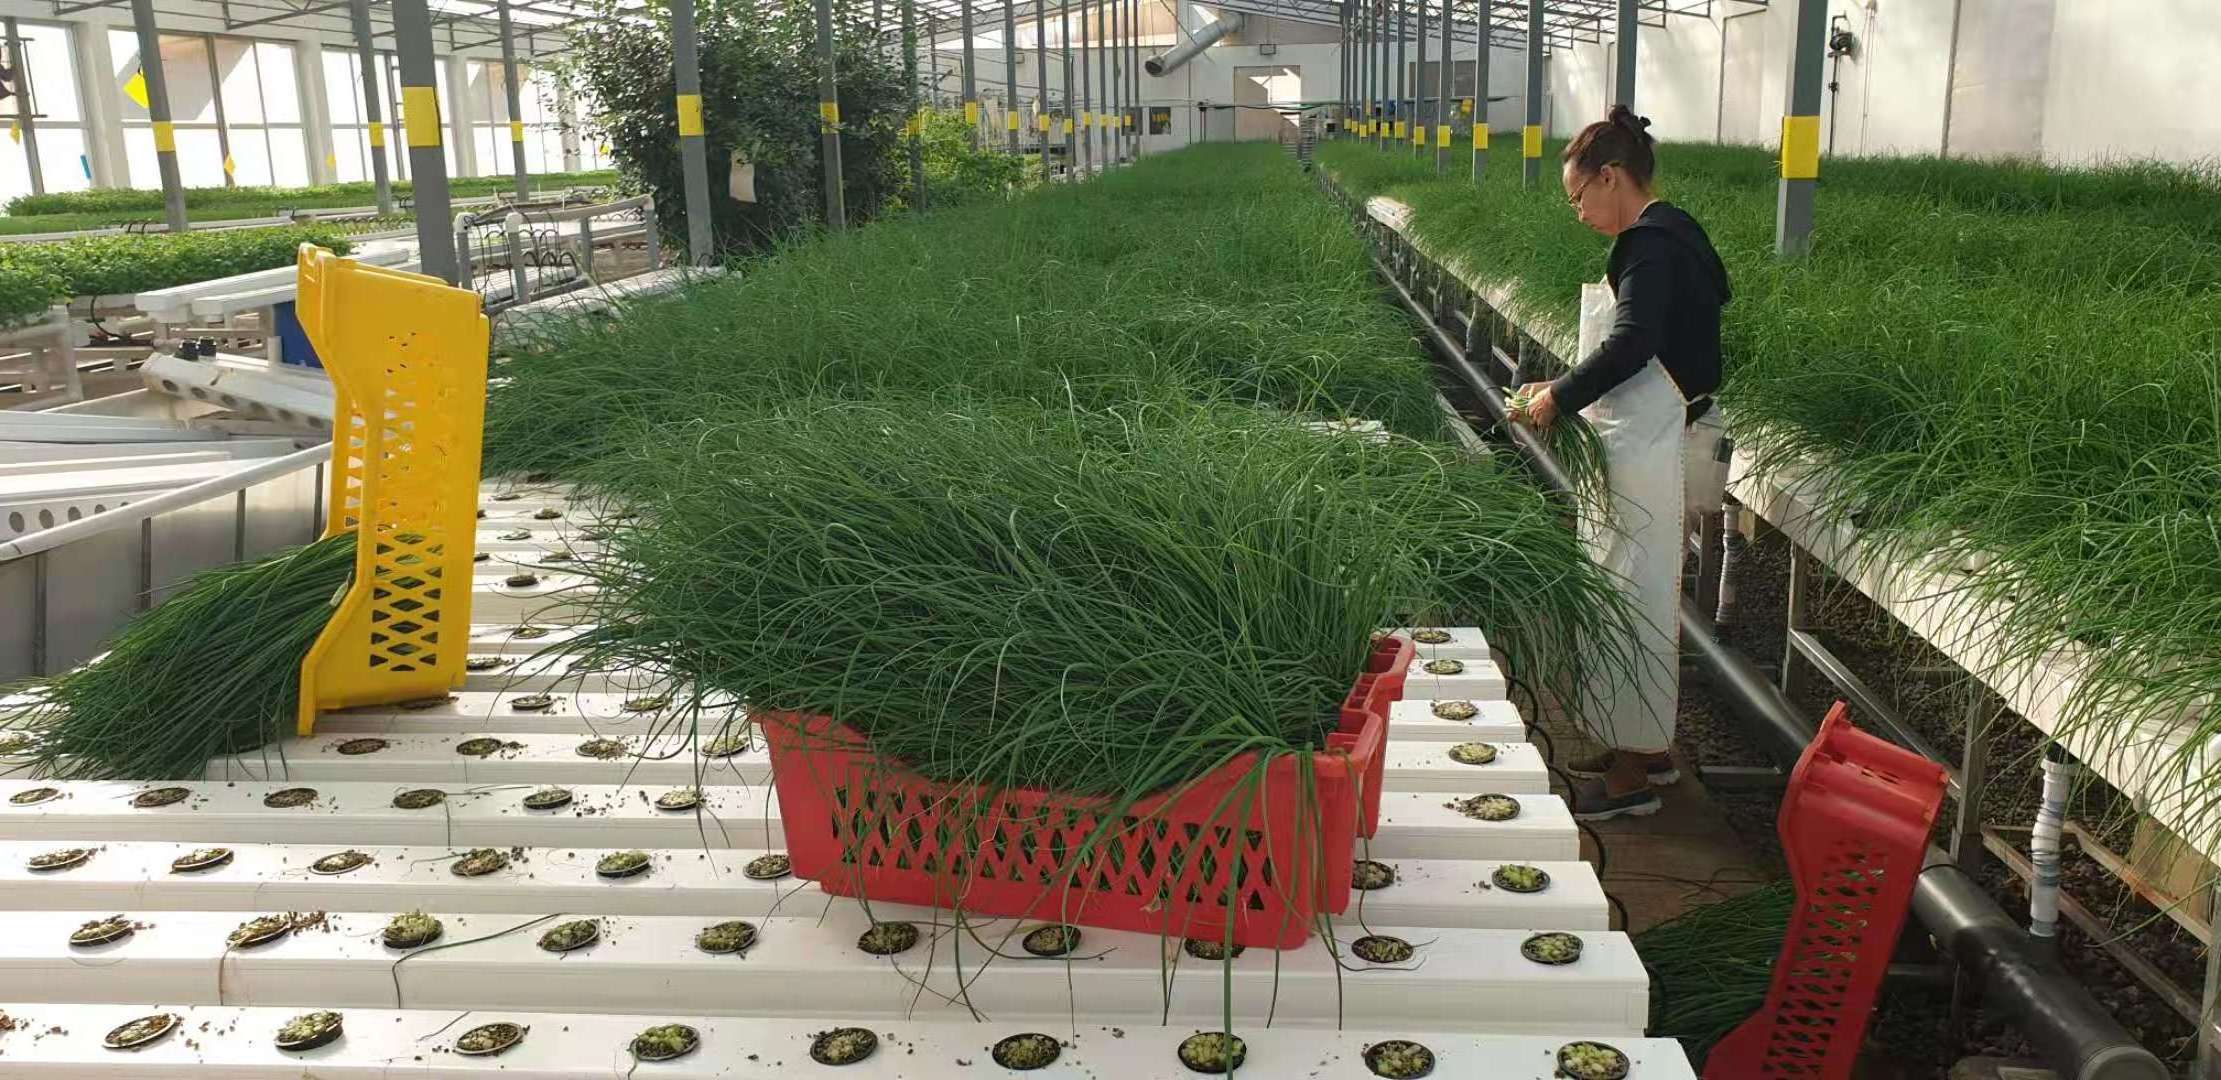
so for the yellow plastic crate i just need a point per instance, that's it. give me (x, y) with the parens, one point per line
(407, 357)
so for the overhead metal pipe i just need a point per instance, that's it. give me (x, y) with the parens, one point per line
(1228, 22)
(2075, 1034)
(373, 112)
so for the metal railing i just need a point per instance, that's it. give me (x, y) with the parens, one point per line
(538, 255)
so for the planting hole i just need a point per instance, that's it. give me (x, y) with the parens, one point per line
(1213, 1052)
(888, 938)
(145, 1031)
(843, 1046)
(340, 862)
(1399, 1059)
(34, 796)
(726, 937)
(309, 1031)
(529, 633)
(419, 799)
(487, 1040)
(1487, 807)
(768, 867)
(1431, 636)
(1368, 875)
(1553, 948)
(1455, 710)
(525, 580)
(1025, 1053)
(486, 663)
(411, 930)
(726, 745)
(480, 862)
(665, 1041)
(647, 704)
(484, 747)
(1211, 949)
(359, 747)
(101, 931)
(260, 930)
(546, 513)
(478, 557)
(1520, 878)
(1592, 1061)
(1051, 940)
(1473, 753)
(517, 534)
(532, 702)
(571, 936)
(679, 799)
(623, 864)
(199, 859)
(423, 703)
(603, 749)
(1445, 667)
(60, 860)
(15, 742)
(288, 798)
(508, 496)
(1381, 949)
(548, 798)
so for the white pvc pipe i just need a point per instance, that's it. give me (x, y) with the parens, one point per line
(2043, 845)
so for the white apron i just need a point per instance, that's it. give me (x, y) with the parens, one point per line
(1633, 690)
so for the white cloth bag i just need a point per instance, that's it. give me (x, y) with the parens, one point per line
(1634, 685)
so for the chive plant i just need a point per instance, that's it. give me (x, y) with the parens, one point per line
(212, 670)
(1105, 603)
(2010, 365)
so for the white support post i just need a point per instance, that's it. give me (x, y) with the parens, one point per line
(316, 113)
(462, 112)
(101, 102)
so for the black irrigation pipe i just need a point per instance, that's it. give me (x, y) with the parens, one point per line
(2080, 1039)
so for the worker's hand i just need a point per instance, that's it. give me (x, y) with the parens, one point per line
(1535, 405)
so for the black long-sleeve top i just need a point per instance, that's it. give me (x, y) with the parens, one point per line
(1669, 285)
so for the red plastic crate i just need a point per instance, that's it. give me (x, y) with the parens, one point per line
(1854, 827)
(1164, 867)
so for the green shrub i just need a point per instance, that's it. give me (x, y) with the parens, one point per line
(33, 276)
(958, 172)
(131, 201)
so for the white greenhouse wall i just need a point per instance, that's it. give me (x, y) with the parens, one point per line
(2069, 82)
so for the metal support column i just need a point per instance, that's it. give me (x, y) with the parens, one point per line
(1010, 76)
(1071, 140)
(1623, 78)
(420, 126)
(1530, 134)
(829, 120)
(1041, 80)
(1800, 131)
(26, 125)
(373, 107)
(1403, 54)
(1377, 55)
(1419, 86)
(509, 93)
(1442, 107)
(1479, 99)
(1101, 31)
(1087, 115)
(910, 79)
(1803, 582)
(158, 112)
(1116, 66)
(971, 73)
(1342, 68)
(933, 61)
(693, 141)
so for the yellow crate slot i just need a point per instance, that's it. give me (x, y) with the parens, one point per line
(408, 416)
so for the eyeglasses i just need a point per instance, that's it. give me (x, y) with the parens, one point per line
(1574, 200)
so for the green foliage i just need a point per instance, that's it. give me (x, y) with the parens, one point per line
(122, 265)
(1214, 272)
(217, 203)
(759, 73)
(214, 669)
(957, 172)
(2001, 363)
(1107, 603)
(1714, 964)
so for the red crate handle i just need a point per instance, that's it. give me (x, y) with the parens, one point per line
(1854, 828)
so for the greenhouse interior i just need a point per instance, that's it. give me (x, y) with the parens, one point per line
(1490, 539)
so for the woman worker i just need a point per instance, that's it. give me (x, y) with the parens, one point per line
(1650, 360)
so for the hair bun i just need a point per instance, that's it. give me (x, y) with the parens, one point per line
(1626, 118)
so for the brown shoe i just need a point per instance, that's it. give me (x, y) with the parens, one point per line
(1660, 771)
